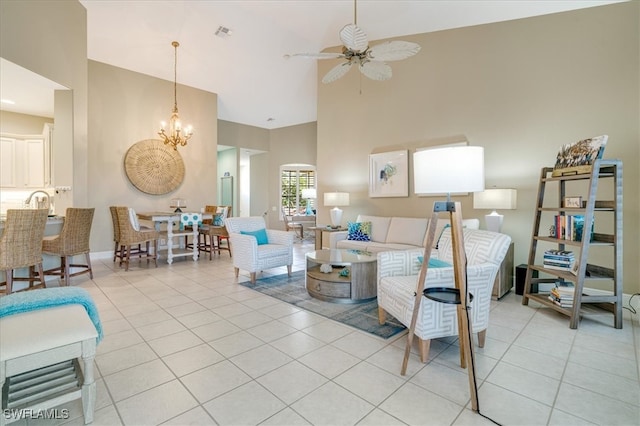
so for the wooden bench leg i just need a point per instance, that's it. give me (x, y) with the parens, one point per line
(89, 386)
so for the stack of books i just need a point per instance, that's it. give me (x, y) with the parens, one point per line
(561, 260)
(562, 294)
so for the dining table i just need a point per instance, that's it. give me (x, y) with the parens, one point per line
(175, 229)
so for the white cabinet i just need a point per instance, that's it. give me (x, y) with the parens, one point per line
(24, 162)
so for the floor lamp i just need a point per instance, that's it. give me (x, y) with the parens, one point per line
(444, 171)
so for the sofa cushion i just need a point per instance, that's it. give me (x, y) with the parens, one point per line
(359, 231)
(407, 230)
(379, 226)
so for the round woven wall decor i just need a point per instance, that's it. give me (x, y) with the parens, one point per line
(153, 167)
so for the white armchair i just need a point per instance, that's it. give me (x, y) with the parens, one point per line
(398, 280)
(250, 256)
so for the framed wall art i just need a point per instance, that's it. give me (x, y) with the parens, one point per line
(389, 174)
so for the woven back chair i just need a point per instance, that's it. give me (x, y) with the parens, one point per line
(73, 240)
(130, 238)
(213, 235)
(21, 246)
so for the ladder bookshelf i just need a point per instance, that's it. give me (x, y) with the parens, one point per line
(609, 214)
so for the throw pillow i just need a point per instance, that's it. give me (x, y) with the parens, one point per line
(359, 231)
(260, 235)
(133, 218)
(434, 263)
(218, 220)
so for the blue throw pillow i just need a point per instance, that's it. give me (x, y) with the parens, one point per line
(217, 220)
(435, 263)
(359, 231)
(260, 235)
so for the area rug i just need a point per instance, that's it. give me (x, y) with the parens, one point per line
(363, 316)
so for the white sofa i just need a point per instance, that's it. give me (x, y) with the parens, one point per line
(393, 233)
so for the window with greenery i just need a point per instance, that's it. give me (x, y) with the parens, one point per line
(293, 179)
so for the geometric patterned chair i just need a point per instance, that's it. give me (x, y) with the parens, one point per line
(73, 240)
(250, 255)
(398, 279)
(21, 246)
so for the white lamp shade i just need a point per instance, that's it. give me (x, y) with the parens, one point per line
(495, 199)
(448, 170)
(336, 199)
(309, 193)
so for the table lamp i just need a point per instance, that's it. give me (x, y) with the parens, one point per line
(493, 199)
(447, 170)
(336, 199)
(309, 194)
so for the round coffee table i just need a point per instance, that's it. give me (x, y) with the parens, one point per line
(357, 286)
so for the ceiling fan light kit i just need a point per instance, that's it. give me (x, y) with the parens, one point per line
(371, 61)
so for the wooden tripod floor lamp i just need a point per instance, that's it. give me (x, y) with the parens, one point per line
(447, 170)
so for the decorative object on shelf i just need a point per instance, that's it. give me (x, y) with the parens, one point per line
(493, 199)
(176, 134)
(153, 167)
(178, 204)
(447, 170)
(573, 202)
(325, 268)
(344, 272)
(577, 158)
(336, 199)
(389, 174)
(309, 194)
(356, 51)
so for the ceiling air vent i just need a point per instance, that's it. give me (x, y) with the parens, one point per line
(223, 32)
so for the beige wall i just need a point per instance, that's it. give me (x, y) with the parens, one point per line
(521, 89)
(126, 107)
(49, 37)
(23, 124)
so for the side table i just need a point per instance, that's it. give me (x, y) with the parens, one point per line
(319, 230)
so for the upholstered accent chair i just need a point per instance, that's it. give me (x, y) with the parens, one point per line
(255, 248)
(398, 280)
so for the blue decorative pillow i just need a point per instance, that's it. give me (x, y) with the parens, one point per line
(359, 231)
(260, 235)
(435, 263)
(217, 220)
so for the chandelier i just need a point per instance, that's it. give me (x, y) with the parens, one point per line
(175, 135)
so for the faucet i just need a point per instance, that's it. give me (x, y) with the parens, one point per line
(28, 200)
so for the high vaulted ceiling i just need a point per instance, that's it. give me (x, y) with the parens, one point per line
(256, 85)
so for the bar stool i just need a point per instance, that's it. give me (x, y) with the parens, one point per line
(21, 246)
(73, 240)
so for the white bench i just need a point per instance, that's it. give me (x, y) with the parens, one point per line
(43, 338)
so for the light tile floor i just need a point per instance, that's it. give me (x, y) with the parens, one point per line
(186, 345)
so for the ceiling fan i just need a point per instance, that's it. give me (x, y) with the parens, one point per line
(356, 51)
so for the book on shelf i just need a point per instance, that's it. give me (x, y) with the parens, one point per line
(570, 227)
(562, 304)
(571, 268)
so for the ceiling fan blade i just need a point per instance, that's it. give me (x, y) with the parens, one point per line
(393, 50)
(317, 55)
(376, 70)
(354, 38)
(337, 72)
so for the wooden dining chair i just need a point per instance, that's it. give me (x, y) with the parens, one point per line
(131, 237)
